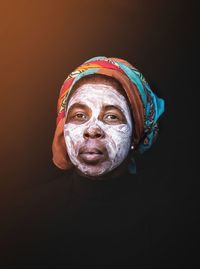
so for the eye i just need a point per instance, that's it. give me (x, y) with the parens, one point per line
(80, 117)
(111, 119)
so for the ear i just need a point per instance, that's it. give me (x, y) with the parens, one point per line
(59, 150)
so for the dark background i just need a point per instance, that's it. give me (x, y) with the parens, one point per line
(43, 41)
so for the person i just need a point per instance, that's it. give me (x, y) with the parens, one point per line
(105, 108)
(99, 214)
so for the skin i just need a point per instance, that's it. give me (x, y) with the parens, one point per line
(98, 129)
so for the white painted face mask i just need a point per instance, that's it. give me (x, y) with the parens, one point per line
(96, 138)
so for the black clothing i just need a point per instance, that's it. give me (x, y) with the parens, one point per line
(76, 222)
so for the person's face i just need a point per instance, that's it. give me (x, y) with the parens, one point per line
(98, 129)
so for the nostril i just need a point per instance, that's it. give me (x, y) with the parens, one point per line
(86, 135)
(98, 135)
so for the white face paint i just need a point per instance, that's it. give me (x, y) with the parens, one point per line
(98, 129)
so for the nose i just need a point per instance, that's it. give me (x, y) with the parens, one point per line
(93, 132)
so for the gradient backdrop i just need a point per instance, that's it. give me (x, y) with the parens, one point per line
(41, 42)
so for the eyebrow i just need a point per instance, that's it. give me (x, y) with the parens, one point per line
(113, 107)
(81, 105)
(78, 105)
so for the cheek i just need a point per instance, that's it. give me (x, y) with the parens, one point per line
(119, 140)
(73, 134)
(120, 133)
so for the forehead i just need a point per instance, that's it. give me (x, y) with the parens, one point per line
(96, 94)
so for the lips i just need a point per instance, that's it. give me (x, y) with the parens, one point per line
(91, 155)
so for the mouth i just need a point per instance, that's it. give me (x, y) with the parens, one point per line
(91, 155)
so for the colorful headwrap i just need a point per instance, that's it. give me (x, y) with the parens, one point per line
(146, 106)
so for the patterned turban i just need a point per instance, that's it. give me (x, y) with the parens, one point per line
(145, 105)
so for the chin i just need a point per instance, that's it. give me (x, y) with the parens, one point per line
(101, 173)
(104, 171)
(93, 173)
(93, 169)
